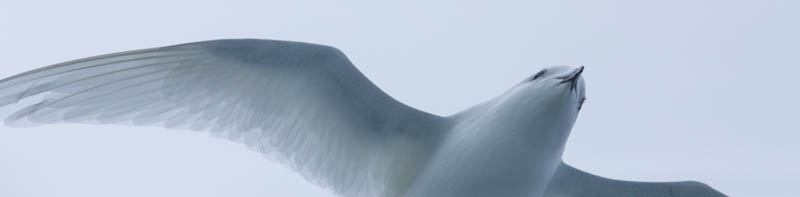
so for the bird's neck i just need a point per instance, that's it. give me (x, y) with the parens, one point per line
(489, 144)
(544, 128)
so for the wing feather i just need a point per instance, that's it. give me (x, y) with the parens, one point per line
(571, 182)
(303, 104)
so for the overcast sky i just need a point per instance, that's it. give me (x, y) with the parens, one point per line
(677, 90)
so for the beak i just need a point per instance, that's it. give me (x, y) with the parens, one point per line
(572, 77)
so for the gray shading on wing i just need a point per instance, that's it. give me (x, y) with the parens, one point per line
(571, 182)
(302, 104)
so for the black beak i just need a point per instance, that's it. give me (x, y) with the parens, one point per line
(573, 78)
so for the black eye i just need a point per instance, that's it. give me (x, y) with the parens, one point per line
(537, 75)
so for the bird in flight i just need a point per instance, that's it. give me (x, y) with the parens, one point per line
(307, 106)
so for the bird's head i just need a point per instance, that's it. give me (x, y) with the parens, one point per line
(556, 92)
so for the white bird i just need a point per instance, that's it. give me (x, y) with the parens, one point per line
(307, 106)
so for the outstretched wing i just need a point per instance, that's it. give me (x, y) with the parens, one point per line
(303, 104)
(571, 182)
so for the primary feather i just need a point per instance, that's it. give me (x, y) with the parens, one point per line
(303, 104)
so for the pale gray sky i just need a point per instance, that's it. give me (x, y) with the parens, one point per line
(677, 90)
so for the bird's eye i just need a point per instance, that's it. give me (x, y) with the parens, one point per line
(537, 75)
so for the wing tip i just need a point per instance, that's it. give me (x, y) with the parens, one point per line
(700, 187)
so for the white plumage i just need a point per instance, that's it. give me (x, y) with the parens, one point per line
(307, 106)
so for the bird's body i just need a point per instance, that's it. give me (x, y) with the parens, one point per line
(307, 106)
(499, 148)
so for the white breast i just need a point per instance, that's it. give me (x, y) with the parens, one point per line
(486, 155)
